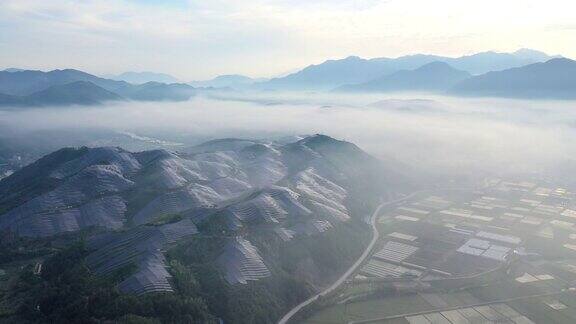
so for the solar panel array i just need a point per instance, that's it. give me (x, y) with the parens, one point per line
(269, 206)
(485, 249)
(91, 190)
(383, 269)
(85, 199)
(141, 246)
(285, 234)
(395, 251)
(174, 202)
(265, 172)
(326, 197)
(242, 262)
(498, 237)
(123, 160)
(312, 227)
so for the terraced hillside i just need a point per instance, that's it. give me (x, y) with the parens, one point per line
(257, 225)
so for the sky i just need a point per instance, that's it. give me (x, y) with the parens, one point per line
(199, 39)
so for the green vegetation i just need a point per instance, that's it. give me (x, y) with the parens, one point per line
(294, 265)
(17, 249)
(166, 219)
(195, 272)
(66, 292)
(329, 252)
(137, 199)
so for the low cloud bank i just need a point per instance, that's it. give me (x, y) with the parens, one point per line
(435, 133)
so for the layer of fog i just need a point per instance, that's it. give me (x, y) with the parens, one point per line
(436, 133)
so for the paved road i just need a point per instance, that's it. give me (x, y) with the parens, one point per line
(342, 279)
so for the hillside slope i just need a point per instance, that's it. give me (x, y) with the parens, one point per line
(258, 224)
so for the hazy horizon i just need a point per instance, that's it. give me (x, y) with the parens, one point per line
(276, 75)
(258, 38)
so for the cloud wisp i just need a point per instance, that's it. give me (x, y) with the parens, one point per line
(435, 134)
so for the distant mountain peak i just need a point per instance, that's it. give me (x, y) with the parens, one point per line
(68, 71)
(527, 53)
(434, 66)
(560, 60)
(232, 77)
(318, 138)
(356, 70)
(553, 79)
(353, 58)
(73, 93)
(234, 81)
(143, 77)
(12, 70)
(433, 76)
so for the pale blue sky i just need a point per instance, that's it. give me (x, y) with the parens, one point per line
(195, 39)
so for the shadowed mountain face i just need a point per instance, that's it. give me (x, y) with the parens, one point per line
(27, 82)
(435, 76)
(72, 87)
(155, 91)
(353, 70)
(75, 93)
(246, 211)
(555, 79)
(8, 100)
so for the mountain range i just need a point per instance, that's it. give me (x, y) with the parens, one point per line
(554, 79)
(431, 77)
(354, 70)
(74, 93)
(13, 70)
(522, 74)
(245, 219)
(232, 81)
(143, 77)
(73, 87)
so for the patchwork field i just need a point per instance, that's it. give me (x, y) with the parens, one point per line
(502, 253)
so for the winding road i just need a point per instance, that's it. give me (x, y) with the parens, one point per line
(375, 235)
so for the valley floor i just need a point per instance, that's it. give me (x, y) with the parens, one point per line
(503, 252)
